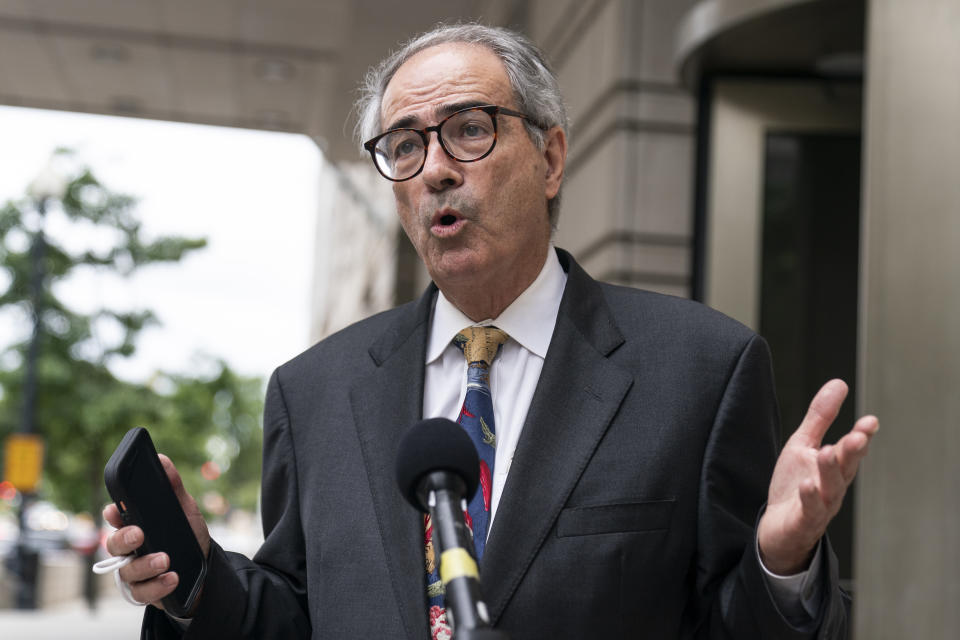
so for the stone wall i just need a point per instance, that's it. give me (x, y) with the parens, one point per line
(626, 211)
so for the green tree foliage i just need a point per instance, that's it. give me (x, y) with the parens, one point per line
(82, 409)
(223, 412)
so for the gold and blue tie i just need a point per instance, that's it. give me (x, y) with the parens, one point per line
(480, 345)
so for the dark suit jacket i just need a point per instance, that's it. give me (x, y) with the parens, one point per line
(629, 511)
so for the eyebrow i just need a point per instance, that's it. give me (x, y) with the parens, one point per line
(441, 112)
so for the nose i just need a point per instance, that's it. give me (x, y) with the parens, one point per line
(440, 171)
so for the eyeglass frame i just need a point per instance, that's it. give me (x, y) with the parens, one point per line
(490, 109)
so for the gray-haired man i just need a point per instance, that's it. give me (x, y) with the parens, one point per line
(636, 434)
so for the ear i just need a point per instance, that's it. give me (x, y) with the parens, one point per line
(555, 155)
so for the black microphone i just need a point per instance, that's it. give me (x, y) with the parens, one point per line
(438, 471)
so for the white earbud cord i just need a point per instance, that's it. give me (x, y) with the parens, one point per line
(114, 564)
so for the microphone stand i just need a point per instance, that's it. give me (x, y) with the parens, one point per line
(470, 619)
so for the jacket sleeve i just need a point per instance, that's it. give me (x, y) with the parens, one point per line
(264, 597)
(740, 455)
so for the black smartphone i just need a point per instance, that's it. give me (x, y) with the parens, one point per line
(142, 492)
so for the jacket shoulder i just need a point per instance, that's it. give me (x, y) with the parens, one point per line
(664, 319)
(347, 349)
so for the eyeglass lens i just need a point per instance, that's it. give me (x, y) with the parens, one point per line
(466, 135)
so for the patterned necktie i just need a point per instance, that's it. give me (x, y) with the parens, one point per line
(480, 346)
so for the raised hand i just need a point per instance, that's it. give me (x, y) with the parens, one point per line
(809, 482)
(148, 577)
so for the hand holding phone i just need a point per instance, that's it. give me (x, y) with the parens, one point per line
(159, 521)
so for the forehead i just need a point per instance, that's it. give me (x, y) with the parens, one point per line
(444, 75)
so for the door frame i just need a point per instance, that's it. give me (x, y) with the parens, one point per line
(736, 111)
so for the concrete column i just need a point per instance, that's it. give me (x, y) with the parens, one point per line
(356, 235)
(626, 211)
(908, 513)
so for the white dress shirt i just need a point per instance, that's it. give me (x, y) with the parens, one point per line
(514, 374)
(529, 321)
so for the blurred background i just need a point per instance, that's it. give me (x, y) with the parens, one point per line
(185, 209)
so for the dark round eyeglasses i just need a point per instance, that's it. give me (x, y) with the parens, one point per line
(467, 135)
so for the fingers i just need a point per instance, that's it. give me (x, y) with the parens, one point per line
(818, 475)
(821, 494)
(154, 590)
(148, 577)
(145, 568)
(186, 500)
(868, 425)
(822, 412)
(174, 476)
(833, 485)
(810, 499)
(124, 541)
(112, 515)
(853, 447)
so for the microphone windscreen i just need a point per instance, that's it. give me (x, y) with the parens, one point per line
(437, 444)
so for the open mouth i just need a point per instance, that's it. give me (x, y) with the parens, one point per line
(446, 222)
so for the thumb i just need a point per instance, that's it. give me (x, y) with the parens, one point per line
(174, 476)
(189, 505)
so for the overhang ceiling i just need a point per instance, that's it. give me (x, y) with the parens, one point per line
(283, 65)
(771, 36)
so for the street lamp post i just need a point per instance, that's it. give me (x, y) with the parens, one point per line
(37, 251)
(50, 184)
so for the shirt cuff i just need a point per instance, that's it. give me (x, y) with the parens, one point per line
(797, 596)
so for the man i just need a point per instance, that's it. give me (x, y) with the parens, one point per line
(635, 434)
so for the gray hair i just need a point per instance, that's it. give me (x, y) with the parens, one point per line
(534, 84)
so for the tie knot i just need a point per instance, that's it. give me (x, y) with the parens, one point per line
(480, 344)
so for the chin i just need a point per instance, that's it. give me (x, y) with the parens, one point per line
(455, 266)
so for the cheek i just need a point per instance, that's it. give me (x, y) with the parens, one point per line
(400, 195)
(527, 166)
(404, 206)
(522, 184)
(406, 218)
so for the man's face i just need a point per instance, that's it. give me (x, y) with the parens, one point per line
(480, 223)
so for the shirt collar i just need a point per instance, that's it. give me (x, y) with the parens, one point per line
(529, 319)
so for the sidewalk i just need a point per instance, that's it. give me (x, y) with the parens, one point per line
(114, 619)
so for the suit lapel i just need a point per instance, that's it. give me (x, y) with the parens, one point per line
(385, 405)
(578, 394)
